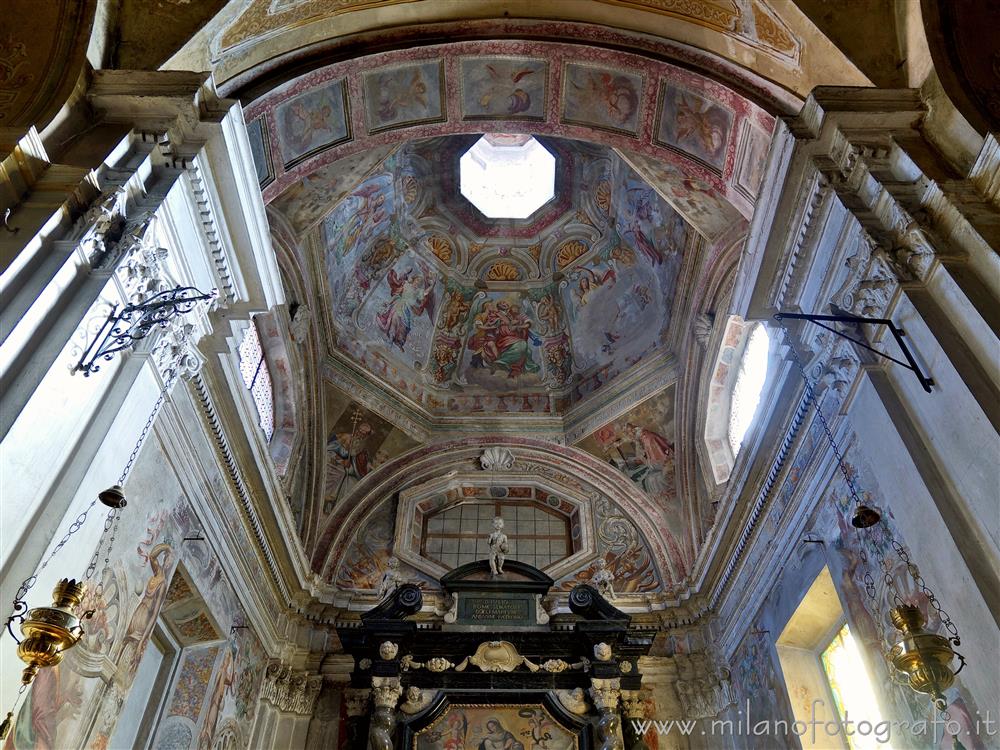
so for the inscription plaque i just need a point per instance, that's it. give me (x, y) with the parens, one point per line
(496, 609)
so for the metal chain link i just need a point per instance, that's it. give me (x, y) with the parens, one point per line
(110, 521)
(866, 569)
(886, 538)
(810, 394)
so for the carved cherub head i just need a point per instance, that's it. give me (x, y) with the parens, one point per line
(602, 652)
(497, 523)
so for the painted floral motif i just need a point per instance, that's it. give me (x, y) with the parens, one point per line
(511, 88)
(602, 98)
(404, 95)
(694, 125)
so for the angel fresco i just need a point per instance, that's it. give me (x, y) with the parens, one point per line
(502, 339)
(641, 216)
(410, 297)
(589, 282)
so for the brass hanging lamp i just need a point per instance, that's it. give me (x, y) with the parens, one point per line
(916, 657)
(49, 632)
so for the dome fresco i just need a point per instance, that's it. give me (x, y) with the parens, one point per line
(459, 311)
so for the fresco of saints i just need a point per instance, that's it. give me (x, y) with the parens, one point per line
(501, 340)
(349, 456)
(225, 681)
(411, 297)
(143, 620)
(498, 738)
(652, 459)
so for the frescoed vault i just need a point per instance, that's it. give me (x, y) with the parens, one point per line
(461, 322)
(438, 326)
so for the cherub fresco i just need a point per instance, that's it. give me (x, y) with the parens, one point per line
(456, 309)
(695, 125)
(410, 296)
(401, 93)
(549, 312)
(311, 120)
(502, 339)
(697, 121)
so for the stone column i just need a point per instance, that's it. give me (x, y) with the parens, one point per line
(385, 694)
(606, 694)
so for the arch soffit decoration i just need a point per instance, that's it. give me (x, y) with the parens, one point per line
(428, 462)
(664, 119)
(786, 50)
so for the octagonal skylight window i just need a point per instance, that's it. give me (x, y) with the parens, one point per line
(507, 176)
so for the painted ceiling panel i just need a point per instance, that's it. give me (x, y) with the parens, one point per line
(457, 310)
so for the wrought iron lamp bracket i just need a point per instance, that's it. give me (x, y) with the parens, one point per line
(897, 333)
(134, 322)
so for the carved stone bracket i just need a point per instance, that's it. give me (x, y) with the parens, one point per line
(290, 691)
(703, 686)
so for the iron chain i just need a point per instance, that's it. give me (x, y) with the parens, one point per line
(110, 521)
(886, 538)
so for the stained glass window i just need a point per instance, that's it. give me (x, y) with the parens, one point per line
(257, 379)
(748, 386)
(852, 691)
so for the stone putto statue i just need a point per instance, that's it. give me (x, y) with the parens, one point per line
(604, 580)
(392, 579)
(498, 547)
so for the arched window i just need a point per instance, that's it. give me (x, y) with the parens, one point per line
(738, 380)
(257, 379)
(748, 386)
